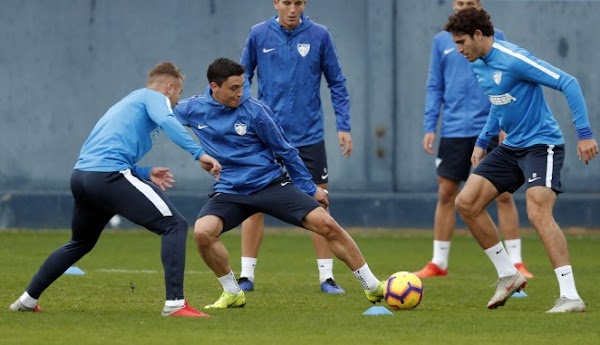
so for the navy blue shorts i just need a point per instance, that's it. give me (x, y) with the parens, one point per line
(454, 157)
(280, 199)
(508, 168)
(314, 157)
(101, 195)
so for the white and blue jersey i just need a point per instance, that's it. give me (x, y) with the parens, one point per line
(452, 88)
(127, 131)
(246, 141)
(290, 65)
(512, 78)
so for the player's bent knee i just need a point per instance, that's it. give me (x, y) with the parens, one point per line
(463, 206)
(207, 230)
(330, 223)
(201, 237)
(329, 228)
(322, 223)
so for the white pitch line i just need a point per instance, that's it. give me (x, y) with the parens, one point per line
(120, 270)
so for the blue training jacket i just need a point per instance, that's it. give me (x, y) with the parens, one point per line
(290, 65)
(127, 132)
(245, 140)
(451, 85)
(512, 78)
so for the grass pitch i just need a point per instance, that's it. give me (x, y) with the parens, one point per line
(120, 297)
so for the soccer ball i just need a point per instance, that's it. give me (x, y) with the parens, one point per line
(403, 290)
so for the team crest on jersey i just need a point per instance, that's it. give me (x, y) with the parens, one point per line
(240, 128)
(303, 48)
(497, 77)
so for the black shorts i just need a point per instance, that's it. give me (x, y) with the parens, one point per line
(280, 199)
(508, 168)
(314, 157)
(454, 157)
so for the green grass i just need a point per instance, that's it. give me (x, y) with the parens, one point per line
(287, 307)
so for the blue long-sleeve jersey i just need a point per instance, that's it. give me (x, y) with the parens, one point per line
(453, 90)
(290, 65)
(126, 132)
(512, 78)
(246, 141)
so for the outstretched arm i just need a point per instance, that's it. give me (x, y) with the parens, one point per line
(175, 131)
(273, 136)
(540, 71)
(163, 178)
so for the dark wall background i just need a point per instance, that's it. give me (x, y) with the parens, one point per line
(64, 62)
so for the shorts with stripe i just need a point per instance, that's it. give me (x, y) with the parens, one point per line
(98, 197)
(280, 199)
(508, 168)
(122, 193)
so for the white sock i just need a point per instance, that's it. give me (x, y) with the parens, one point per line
(229, 283)
(441, 252)
(325, 269)
(366, 278)
(248, 266)
(566, 282)
(174, 302)
(501, 260)
(27, 300)
(513, 247)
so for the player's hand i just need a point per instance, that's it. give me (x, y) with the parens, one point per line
(587, 149)
(345, 140)
(162, 178)
(428, 140)
(501, 137)
(477, 156)
(322, 196)
(211, 165)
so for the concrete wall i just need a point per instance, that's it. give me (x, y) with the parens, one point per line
(64, 62)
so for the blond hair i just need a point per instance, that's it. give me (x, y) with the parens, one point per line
(164, 69)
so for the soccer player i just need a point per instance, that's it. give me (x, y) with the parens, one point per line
(240, 132)
(532, 152)
(106, 181)
(290, 53)
(465, 108)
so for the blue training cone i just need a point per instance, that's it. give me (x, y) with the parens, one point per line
(519, 294)
(378, 310)
(74, 270)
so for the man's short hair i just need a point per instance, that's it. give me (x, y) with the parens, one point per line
(223, 68)
(468, 21)
(165, 68)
